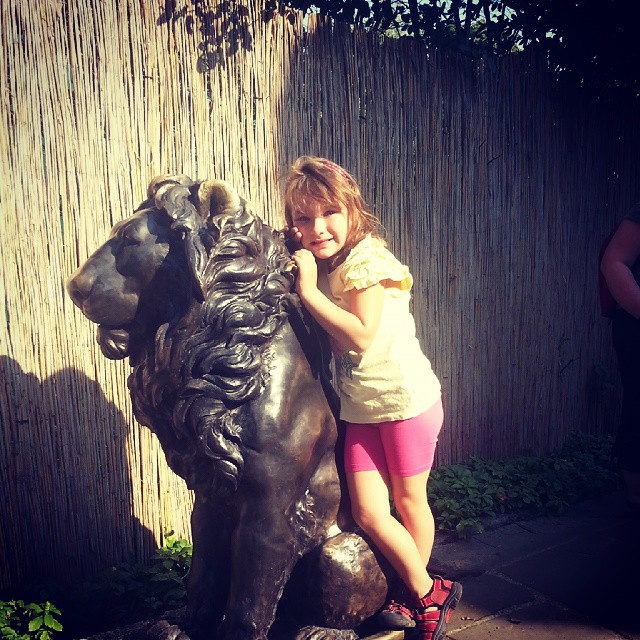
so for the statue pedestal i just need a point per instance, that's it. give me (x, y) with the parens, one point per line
(138, 631)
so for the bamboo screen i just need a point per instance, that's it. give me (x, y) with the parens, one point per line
(492, 189)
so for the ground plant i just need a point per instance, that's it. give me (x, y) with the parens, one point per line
(120, 595)
(464, 497)
(28, 621)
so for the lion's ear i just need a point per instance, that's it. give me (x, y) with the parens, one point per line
(174, 199)
(216, 197)
(219, 203)
(167, 180)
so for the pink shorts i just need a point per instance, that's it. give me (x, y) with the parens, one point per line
(400, 447)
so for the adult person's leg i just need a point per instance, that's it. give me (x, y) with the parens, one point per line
(626, 342)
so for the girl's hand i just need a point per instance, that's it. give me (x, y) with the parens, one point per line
(353, 328)
(292, 238)
(307, 280)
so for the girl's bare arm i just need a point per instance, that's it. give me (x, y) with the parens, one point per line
(353, 329)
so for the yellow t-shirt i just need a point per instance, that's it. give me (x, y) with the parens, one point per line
(392, 379)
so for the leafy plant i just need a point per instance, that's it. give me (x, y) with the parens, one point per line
(461, 495)
(30, 621)
(127, 593)
(588, 54)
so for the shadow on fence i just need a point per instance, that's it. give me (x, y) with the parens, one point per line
(63, 509)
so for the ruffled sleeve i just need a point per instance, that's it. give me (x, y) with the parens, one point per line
(370, 262)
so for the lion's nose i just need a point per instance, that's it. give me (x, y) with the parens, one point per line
(79, 287)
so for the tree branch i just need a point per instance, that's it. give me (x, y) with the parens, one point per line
(455, 11)
(415, 17)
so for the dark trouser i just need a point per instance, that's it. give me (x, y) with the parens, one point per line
(626, 342)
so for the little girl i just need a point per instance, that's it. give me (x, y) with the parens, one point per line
(390, 397)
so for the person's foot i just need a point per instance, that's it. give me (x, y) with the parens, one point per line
(433, 611)
(397, 613)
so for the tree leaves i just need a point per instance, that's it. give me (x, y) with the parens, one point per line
(590, 43)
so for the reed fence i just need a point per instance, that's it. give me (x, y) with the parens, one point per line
(495, 188)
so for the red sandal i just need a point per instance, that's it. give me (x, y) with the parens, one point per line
(397, 613)
(433, 611)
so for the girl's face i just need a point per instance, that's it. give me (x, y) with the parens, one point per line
(324, 227)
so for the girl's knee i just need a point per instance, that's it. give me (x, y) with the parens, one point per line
(411, 504)
(367, 519)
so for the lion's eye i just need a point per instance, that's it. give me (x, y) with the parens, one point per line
(128, 240)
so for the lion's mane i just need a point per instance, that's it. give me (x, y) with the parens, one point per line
(201, 368)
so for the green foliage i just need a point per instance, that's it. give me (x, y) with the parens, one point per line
(130, 592)
(599, 53)
(462, 494)
(28, 621)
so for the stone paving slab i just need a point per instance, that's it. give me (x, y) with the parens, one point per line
(486, 596)
(496, 547)
(572, 576)
(488, 550)
(568, 572)
(534, 622)
(567, 578)
(595, 576)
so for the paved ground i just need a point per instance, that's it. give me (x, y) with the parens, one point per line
(572, 577)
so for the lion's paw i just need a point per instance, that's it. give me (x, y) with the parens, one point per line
(322, 633)
(164, 630)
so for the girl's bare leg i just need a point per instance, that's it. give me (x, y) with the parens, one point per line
(369, 495)
(410, 498)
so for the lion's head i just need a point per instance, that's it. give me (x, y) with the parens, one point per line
(147, 271)
(192, 287)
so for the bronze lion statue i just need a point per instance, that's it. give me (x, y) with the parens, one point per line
(226, 371)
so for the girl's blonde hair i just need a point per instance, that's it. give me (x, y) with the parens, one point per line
(311, 179)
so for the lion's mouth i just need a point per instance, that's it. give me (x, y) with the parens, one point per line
(114, 341)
